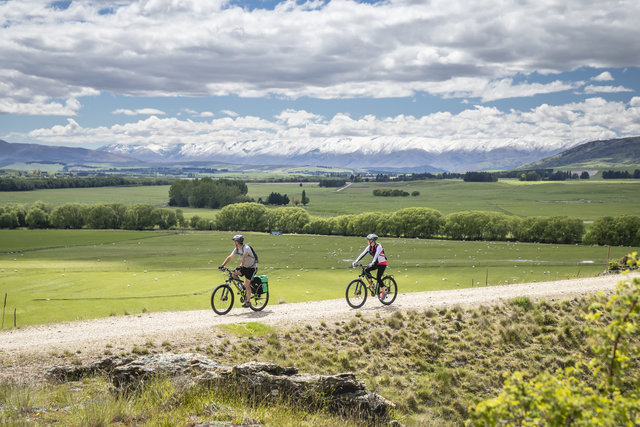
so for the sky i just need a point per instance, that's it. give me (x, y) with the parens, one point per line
(434, 74)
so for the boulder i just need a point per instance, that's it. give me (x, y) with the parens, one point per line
(341, 393)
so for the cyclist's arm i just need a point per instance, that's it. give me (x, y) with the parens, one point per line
(362, 255)
(227, 259)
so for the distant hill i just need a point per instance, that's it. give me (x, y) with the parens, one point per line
(595, 154)
(16, 153)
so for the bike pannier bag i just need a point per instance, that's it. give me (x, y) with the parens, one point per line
(260, 282)
(264, 280)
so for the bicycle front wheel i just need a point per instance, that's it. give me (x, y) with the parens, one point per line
(388, 292)
(222, 299)
(258, 302)
(356, 293)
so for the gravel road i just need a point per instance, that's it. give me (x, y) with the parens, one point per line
(25, 352)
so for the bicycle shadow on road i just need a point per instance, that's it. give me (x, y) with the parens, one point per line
(255, 314)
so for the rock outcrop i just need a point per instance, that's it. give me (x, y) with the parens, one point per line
(340, 393)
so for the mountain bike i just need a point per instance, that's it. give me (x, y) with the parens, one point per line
(358, 288)
(222, 297)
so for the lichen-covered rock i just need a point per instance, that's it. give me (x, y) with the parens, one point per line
(342, 393)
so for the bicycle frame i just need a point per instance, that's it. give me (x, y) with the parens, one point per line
(368, 280)
(239, 283)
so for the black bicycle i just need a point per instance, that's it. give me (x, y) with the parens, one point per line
(358, 288)
(222, 297)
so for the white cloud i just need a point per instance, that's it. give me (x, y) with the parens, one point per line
(500, 89)
(229, 113)
(295, 118)
(603, 77)
(139, 112)
(480, 128)
(31, 95)
(332, 50)
(591, 89)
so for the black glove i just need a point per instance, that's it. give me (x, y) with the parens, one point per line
(221, 267)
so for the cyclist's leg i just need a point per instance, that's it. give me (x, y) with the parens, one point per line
(381, 269)
(247, 288)
(368, 270)
(248, 274)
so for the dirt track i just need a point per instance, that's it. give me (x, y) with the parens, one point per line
(25, 352)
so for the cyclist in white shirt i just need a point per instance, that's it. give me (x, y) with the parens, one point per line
(248, 264)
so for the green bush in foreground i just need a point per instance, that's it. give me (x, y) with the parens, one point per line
(596, 393)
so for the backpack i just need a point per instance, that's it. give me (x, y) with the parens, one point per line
(255, 255)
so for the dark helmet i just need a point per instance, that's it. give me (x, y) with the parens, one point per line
(238, 238)
(372, 237)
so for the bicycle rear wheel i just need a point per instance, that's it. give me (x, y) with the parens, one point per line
(388, 292)
(222, 299)
(258, 302)
(356, 293)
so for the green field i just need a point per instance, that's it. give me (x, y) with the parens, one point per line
(587, 200)
(58, 275)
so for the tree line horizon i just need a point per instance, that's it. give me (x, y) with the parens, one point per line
(413, 222)
(41, 180)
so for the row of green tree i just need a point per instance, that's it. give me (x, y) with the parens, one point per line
(207, 192)
(393, 192)
(418, 222)
(611, 174)
(28, 184)
(101, 216)
(480, 177)
(335, 182)
(555, 176)
(408, 222)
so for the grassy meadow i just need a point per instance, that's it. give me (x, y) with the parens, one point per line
(55, 275)
(586, 200)
(58, 275)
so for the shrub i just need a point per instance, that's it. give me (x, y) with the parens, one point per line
(365, 223)
(101, 217)
(623, 230)
(288, 220)
(141, 216)
(70, 215)
(477, 225)
(37, 218)
(593, 393)
(243, 216)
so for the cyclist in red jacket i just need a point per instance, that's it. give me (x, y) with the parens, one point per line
(379, 261)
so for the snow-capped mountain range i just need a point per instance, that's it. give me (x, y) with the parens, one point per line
(255, 153)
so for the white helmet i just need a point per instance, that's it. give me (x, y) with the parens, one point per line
(238, 238)
(372, 237)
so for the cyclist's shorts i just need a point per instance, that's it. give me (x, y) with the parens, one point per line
(247, 272)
